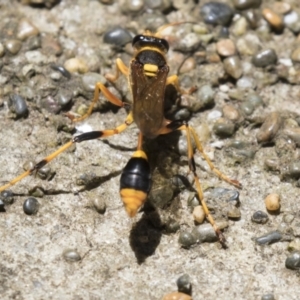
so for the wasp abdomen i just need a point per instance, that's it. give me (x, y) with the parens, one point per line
(135, 182)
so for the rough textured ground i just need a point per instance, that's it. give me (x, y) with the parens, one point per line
(31, 248)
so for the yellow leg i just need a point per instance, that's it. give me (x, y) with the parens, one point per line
(77, 139)
(120, 67)
(110, 97)
(175, 81)
(190, 133)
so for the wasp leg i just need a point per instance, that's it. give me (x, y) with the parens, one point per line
(77, 139)
(120, 67)
(175, 81)
(190, 133)
(108, 95)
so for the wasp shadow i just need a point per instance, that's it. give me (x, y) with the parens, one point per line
(145, 234)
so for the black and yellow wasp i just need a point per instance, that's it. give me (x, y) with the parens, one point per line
(147, 77)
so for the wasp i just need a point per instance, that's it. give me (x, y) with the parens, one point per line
(148, 76)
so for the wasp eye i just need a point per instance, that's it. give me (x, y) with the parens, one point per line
(165, 44)
(137, 39)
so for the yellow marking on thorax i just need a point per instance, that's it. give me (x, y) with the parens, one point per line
(150, 70)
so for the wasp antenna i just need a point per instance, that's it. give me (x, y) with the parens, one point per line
(163, 27)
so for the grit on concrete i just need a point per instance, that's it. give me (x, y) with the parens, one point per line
(32, 264)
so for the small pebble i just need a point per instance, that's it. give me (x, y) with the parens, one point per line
(273, 19)
(189, 42)
(206, 233)
(246, 82)
(177, 296)
(172, 226)
(216, 13)
(186, 239)
(269, 238)
(248, 44)
(247, 108)
(252, 17)
(293, 261)
(30, 206)
(224, 128)
(100, 205)
(281, 8)
(226, 47)
(205, 98)
(233, 66)
(269, 128)
(198, 214)
(231, 113)
(294, 245)
(294, 169)
(260, 217)
(268, 297)
(255, 100)
(18, 105)
(295, 56)
(26, 29)
(272, 202)
(117, 36)
(293, 133)
(7, 197)
(233, 212)
(44, 172)
(246, 4)
(61, 70)
(288, 218)
(264, 58)
(90, 79)
(76, 64)
(36, 57)
(71, 255)
(188, 65)
(184, 284)
(13, 46)
(133, 5)
(240, 26)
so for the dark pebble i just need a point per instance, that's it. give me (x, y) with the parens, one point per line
(61, 70)
(222, 194)
(268, 297)
(204, 233)
(18, 105)
(216, 13)
(224, 129)
(30, 206)
(184, 284)
(264, 58)
(294, 169)
(71, 255)
(246, 4)
(7, 197)
(272, 237)
(117, 36)
(172, 226)
(186, 239)
(293, 261)
(260, 217)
